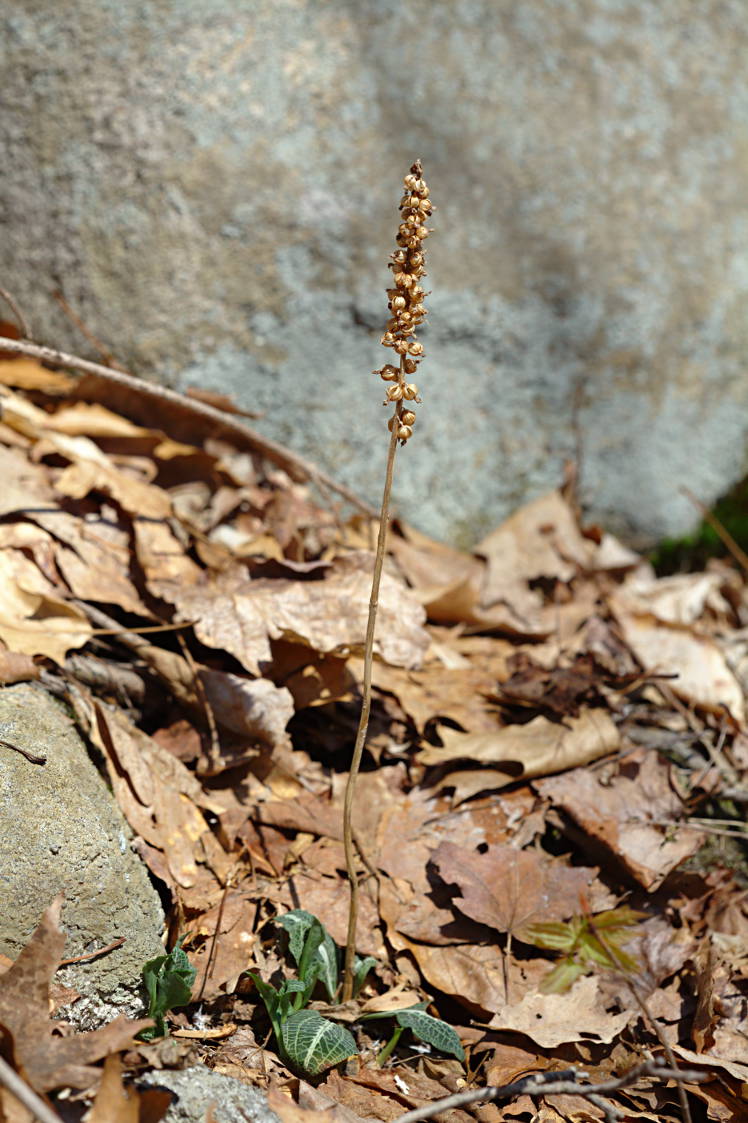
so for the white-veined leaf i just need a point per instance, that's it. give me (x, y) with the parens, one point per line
(312, 1043)
(432, 1030)
(297, 923)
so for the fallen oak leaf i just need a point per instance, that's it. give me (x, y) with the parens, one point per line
(48, 1061)
(538, 748)
(504, 888)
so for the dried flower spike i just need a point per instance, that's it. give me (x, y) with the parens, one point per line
(405, 300)
(406, 312)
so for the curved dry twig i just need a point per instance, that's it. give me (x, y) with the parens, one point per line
(557, 1083)
(299, 469)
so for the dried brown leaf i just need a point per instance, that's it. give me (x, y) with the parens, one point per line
(703, 678)
(33, 618)
(49, 1061)
(25, 485)
(555, 1019)
(618, 814)
(117, 1102)
(506, 888)
(242, 616)
(27, 374)
(254, 708)
(537, 748)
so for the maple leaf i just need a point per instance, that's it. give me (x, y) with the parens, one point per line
(46, 1060)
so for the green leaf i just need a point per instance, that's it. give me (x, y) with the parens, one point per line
(326, 959)
(379, 1014)
(312, 947)
(312, 1044)
(272, 998)
(553, 935)
(562, 977)
(361, 968)
(297, 923)
(432, 1030)
(168, 981)
(623, 917)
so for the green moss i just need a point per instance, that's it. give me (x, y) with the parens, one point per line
(690, 553)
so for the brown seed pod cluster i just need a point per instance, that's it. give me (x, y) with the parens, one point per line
(406, 301)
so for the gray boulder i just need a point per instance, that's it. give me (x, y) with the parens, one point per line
(214, 186)
(61, 830)
(197, 1088)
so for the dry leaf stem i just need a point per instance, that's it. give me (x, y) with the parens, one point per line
(555, 1084)
(407, 312)
(363, 724)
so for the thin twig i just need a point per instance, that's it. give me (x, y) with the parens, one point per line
(77, 322)
(301, 470)
(363, 725)
(615, 955)
(26, 1095)
(722, 533)
(93, 954)
(16, 310)
(556, 1084)
(32, 758)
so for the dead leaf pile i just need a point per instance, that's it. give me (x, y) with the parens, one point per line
(554, 729)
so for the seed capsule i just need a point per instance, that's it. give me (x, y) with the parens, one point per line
(415, 259)
(399, 303)
(410, 366)
(415, 348)
(394, 393)
(408, 417)
(388, 339)
(401, 347)
(410, 181)
(388, 373)
(404, 432)
(410, 392)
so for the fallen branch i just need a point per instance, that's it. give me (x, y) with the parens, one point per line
(557, 1084)
(299, 469)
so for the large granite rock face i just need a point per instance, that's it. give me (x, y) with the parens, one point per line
(60, 830)
(214, 186)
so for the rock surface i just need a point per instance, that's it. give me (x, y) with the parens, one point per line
(214, 186)
(60, 830)
(198, 1088)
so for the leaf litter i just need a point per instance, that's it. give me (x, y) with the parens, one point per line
(556, 732)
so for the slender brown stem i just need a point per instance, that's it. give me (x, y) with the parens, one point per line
(659, 1034)
(648, 1016)
(363, 725)
(16, 310)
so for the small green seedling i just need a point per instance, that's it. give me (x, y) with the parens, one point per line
(310, 1043)
(588, 943)
(168, 980)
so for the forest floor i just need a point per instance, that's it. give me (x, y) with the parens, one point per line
(550, 816)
